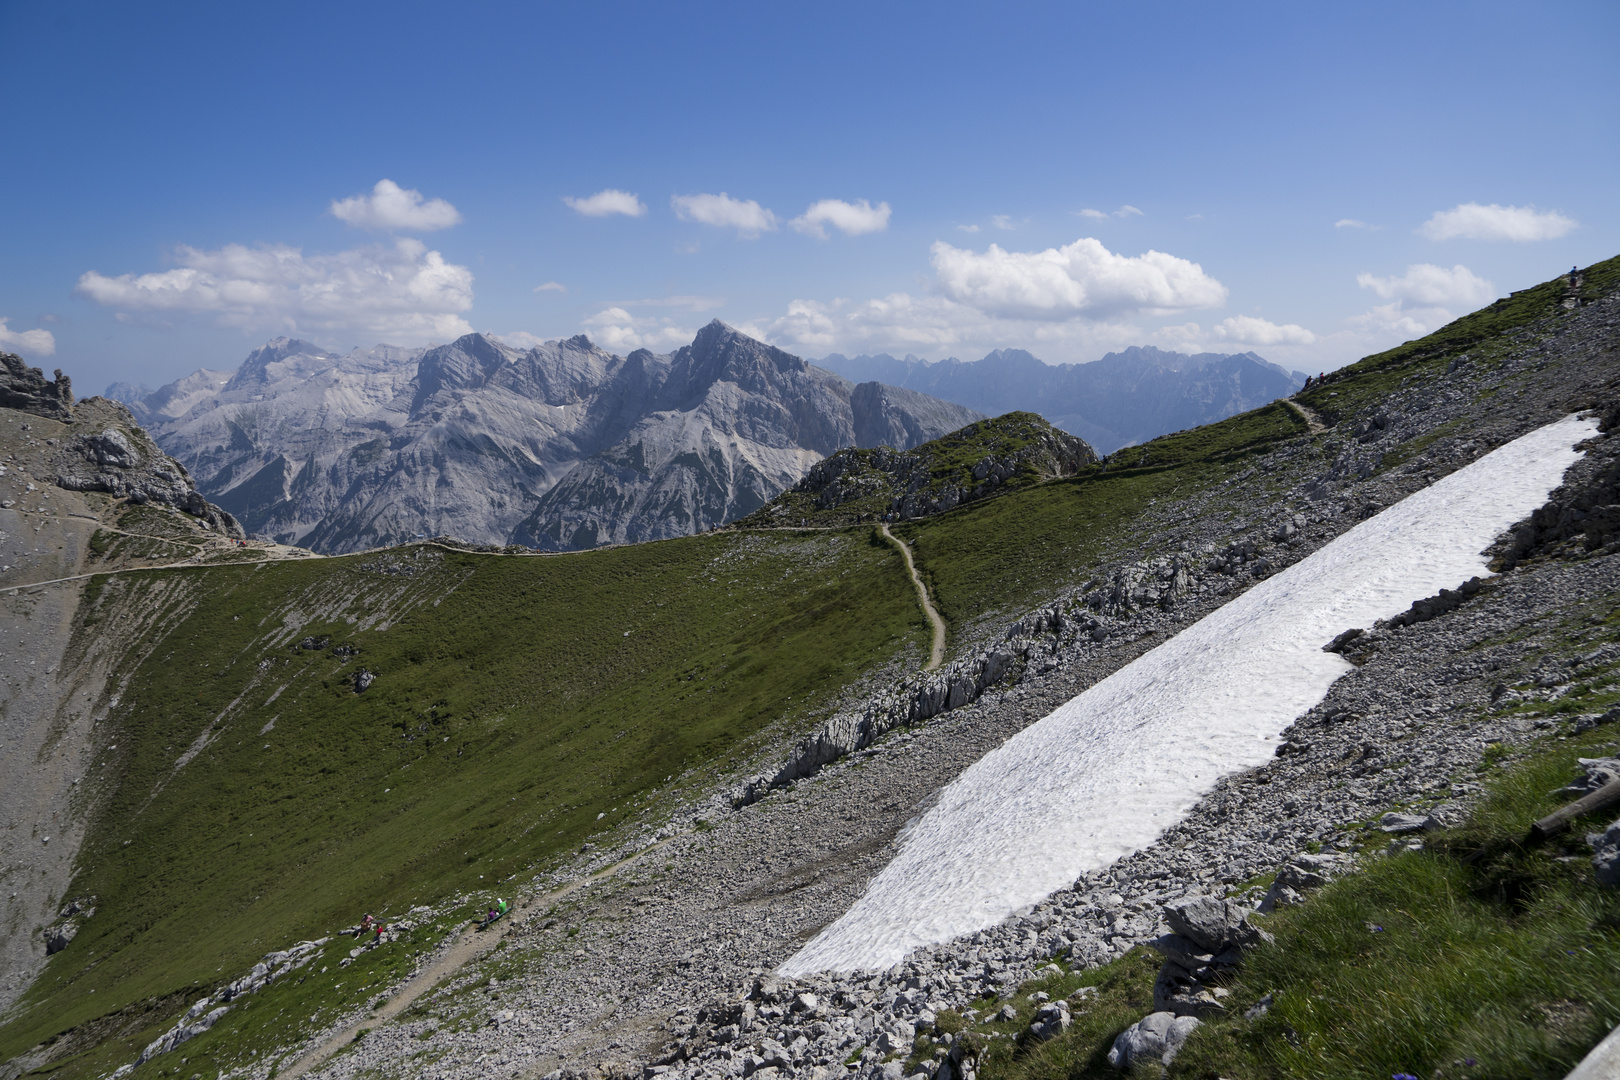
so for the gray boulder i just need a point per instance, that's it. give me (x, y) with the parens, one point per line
(1050, 1021)
(59, 936)
(1595, 773)
(1606, 854)
(1156, 1037)
(1403, 823)
(1213, 923)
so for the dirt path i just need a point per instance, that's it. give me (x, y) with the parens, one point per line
(937, 656)
(1312, 421)
(466, 946)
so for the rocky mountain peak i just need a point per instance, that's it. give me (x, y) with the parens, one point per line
(720, 353)
(465, 363)
(278, 350)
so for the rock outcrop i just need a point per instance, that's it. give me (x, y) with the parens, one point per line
(114, 456)
(987, 458)
(25, 388)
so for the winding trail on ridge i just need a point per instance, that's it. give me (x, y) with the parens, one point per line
(937, 655)
(1313, 422)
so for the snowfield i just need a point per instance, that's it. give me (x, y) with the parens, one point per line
(1108, 771)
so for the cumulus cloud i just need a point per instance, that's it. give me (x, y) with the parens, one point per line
(968, 228)
(1471, 221)
(608, 201)
(1003, 221)
(1352, 223)
(1095, 215)
(851, 219)
(901, 322)
(616, 330)
(391, 207)
(1388, 324)
(1249, 330)
(1082, 279)
(551, 286)
(723, 212)
(402, 293)
(1432, 286)
(26, 342)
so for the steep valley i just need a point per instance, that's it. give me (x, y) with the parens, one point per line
(652, 750)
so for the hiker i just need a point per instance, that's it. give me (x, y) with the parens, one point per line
(365, 924)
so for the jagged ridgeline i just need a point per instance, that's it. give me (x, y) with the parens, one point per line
(285, 746)
(991, 457)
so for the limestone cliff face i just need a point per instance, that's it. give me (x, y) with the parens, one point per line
(561, 446)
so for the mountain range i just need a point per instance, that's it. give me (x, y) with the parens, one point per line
(1125, 398)
(562, 446)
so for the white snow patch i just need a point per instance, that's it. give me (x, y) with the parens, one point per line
(1108, 771)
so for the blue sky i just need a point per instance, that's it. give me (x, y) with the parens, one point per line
(1313, 182)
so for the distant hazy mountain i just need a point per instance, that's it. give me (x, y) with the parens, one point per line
(563, 446)
(1124, 398)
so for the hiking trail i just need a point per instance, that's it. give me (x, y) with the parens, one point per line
(937, 655)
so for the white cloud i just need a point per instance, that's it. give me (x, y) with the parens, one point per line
(616, 330)
(723, 212)
(401, 293)
(520, 339)
(900, 322)
(608, 201)
(1102, 215)
(1432, 286)
(551, 286)
(390, 206)
(851, 219)
(27, 342)
(1082, 279)
(1471, 221)
(1352, 223)
(1249, 330)
(968, 228)
(1003, 221)
(1390, 324)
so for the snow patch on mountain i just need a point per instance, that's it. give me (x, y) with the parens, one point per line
(1111, 769)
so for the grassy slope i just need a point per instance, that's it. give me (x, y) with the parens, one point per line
(511, 708)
